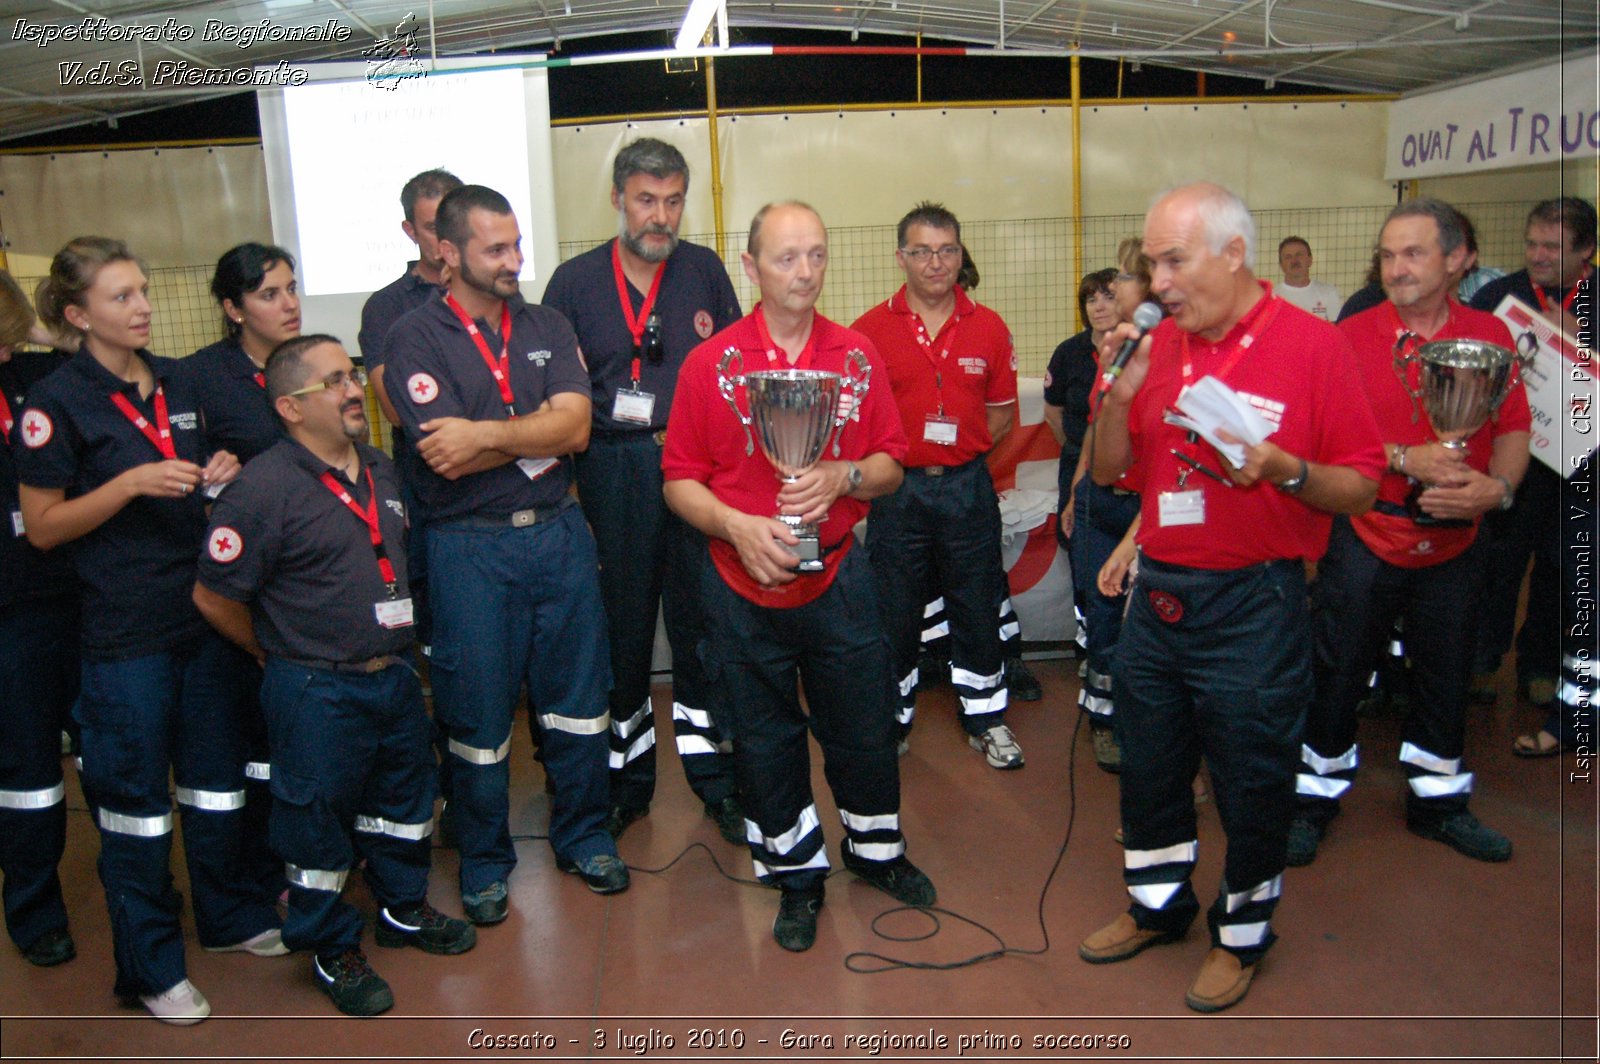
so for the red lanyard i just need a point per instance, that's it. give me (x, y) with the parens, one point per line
(160, 433)
(261, 379)
(369, 517)
(1572, 296)
(920, 332)
(6, 420)
(806, 353)
(501, 370)
(1263, 319)
(636, 322)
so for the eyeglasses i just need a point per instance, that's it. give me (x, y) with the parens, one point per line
(336, 382)
(920, 255)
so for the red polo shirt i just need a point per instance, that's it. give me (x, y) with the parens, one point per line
(1298, 371)
(970, 366)
(1372, 333)
(706, 443)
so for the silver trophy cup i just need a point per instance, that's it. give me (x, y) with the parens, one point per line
(1461, 384)
(796, 412)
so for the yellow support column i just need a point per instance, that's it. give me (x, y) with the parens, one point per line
(716, 158)
(1077, 183)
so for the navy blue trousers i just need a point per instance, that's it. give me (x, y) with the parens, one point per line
(1213, 664)
(353, 778)
(649, 561)
(1101, 516)
(176, 712)
(38, 684)
(515, 607)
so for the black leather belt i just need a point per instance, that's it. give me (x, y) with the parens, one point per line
(518, 519)
(357, 668)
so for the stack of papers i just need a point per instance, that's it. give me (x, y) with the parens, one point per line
(1208, 405)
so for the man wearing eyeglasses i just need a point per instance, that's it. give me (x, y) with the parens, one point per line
(305, 568)
(1416, 554)
(953, 371)
(495, 392)
(639, 303)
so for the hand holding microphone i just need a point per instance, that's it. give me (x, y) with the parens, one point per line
(1145, 318)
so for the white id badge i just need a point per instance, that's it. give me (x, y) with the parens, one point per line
(395, 613)
(213, 490)
(939, 429)
(633, 407)
(16, 524)
(1182, 508)
(534, 468)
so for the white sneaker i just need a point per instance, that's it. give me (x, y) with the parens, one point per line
(181, 1005)
(999, 747)
(268, 943)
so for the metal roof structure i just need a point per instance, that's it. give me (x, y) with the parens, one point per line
(69, 62)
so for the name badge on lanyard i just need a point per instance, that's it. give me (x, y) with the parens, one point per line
(939, 428)
(395, 613)
(633, 406)
(392, 612)
(1182, 508)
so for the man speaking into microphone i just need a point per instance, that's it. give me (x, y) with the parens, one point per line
(1213, 659)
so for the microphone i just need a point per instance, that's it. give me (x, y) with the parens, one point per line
(1147, 317)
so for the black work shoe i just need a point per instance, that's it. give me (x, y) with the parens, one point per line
(487, 906)
(51, 948)
(1022, 684)
(423, 926)
(932, 672)
(1304, 836)
(355, 988)
(899, 878)
(620, 816)
(1463, 833)
(795, 929)
(604, 873)
(729, 817)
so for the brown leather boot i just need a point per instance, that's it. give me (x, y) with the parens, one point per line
(1222, 982)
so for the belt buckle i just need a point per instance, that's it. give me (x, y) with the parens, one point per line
(660, 436)
(524, 518)
(935, 471)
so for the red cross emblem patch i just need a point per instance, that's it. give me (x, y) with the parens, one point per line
(1167, 606)
(702, 324)
(224, 545)
(36, 428)
(422, 388)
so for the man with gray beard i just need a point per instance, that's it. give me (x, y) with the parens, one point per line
(639, 304)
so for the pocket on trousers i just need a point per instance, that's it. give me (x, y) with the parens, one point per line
(302, 828)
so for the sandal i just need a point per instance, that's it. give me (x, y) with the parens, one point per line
(1536, 746)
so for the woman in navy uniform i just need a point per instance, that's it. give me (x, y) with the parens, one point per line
(111, 459)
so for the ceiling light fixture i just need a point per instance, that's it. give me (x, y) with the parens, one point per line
(698, 21)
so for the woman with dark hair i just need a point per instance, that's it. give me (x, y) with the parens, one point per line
(38, 674)
(255, 287)
(1069, 380)
(112, 460)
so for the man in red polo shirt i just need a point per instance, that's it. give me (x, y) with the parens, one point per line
(1214, 656)
(1425, 564)
(772, 627)
(954, 376)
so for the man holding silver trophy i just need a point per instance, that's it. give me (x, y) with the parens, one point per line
(787, 599)
(1455, 422)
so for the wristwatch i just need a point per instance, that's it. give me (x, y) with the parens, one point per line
(1509, 497)
(1293, 485)
(855, 476)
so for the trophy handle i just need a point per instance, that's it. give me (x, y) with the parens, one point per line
(726, 385)
(1405, 356)
(855, 381)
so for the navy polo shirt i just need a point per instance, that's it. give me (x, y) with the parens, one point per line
(233, 402)
(136, 569)
(285, 544)
(696, 300)
(434, 370)
(27, 574)
(388, 305)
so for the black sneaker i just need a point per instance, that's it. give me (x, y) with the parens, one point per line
(1304, 836)
(899, 878)
(1463, 833)
(795, 929)
(604, 873)
(620, 816)
(1022, 684)
(423, 926)
(487, 906)
(355, 988)
(729, 817)
(51, 948)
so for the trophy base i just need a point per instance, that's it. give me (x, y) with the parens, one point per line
(809, 549)
(1423, 519)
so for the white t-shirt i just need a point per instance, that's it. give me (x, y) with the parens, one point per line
(1317, 298)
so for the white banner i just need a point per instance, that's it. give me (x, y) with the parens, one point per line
(1543, 115)
(1560, 384)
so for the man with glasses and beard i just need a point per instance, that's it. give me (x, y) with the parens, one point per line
(640, 303)
(495, 392)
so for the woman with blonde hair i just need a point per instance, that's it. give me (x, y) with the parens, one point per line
(112, 460)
